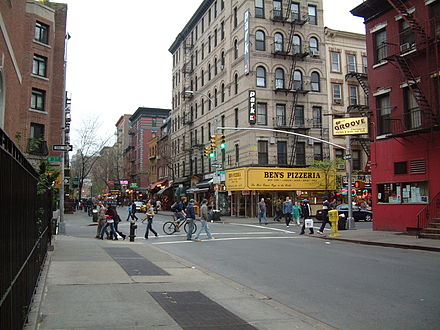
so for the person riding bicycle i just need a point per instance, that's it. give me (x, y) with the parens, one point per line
(179, 211)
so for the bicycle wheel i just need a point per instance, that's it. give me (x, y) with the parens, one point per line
(169, 228)
(185, 227)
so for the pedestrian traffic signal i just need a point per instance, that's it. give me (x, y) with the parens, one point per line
(214, 141)
(358, 184)
(222, 141)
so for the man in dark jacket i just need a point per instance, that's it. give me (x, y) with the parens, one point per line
(306, 212)
(326, 206)
(190, 217)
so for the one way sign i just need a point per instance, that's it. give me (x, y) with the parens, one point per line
(62, 147)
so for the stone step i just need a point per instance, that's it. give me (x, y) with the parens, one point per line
(430, 236)
(430, 230)
(434, 225)
(435, 220)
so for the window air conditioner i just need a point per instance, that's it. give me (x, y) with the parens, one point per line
(337, 101)
(404, 47)
(314, 52)
(341, 166)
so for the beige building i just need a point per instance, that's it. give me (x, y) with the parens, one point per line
(249, 64)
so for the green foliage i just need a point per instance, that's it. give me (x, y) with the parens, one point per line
(34, 144)
(47, 176)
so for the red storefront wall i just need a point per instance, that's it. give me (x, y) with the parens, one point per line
(403, 217)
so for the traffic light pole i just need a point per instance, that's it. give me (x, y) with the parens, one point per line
(350, 219)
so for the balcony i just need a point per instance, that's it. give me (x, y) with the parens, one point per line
(37, 147)
(411, 122)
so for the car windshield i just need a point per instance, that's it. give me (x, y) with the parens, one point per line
(344, 207)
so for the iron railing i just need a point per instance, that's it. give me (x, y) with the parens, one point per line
(25, 219)
(429, 212)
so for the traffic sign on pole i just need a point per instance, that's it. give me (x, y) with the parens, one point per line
(62, 147)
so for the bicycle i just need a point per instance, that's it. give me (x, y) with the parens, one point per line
(170, 227)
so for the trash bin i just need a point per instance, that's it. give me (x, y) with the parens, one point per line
(215, 215)
(53, 225)
(342, 222)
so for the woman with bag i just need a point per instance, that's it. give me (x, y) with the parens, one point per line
(306, 213)
(149, 218)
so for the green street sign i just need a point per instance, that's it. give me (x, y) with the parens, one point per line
(54, 159)
(134, 185)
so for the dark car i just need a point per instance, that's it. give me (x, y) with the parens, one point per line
(358, 213)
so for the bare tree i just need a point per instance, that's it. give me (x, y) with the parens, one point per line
(88, 146)
(107, 168)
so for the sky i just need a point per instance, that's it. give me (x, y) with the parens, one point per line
(118, 59)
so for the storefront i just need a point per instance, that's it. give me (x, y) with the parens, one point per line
(247, 185)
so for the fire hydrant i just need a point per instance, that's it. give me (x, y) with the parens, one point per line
(333, 216)
(133, 228)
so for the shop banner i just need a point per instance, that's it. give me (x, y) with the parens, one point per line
(265, 178)
(350, 126)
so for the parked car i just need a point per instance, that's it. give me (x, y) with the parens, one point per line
(358, 213)
(139, 206)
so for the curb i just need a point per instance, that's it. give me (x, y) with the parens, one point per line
(393, 245)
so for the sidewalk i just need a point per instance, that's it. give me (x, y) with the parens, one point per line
(100, 284)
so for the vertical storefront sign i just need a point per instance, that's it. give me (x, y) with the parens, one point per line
(252, 107)
(246, 42)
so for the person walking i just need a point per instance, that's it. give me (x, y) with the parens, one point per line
(110, 222)
(278, 210)
(297, 213)
(117, 221)
(262, 211)
(101, 219)
(326, 206)
(190, 217)
(129, 211)
(306, 212)
(203, 221)
(149, 218)
(132, 212)
(288, 210)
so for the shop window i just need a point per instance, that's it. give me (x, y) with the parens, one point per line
(403, 193)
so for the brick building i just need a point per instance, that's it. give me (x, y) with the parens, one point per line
(32, 44)
(403, 72)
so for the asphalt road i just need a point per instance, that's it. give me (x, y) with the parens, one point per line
(346, 285)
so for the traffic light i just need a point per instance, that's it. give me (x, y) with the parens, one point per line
(212, 152)
(222, 142)
(214, 141)
(358, 184)
(206, 151)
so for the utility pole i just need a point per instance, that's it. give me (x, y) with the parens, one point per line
(350, 219)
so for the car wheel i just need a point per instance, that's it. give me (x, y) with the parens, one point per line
(368, 218)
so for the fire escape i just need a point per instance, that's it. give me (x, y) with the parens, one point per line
(294, 53)
(401, 58)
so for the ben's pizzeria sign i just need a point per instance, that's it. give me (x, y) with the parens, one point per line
(264, 178)
(350, 126)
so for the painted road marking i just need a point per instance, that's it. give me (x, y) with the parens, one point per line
(227, 239)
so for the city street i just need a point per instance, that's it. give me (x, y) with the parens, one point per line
(345, 285)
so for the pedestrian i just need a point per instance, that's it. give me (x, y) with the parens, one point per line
(326, 206)
(297, 213)
(132, 212)
(204, 221)
(262, 211)
(110, 222)
(288, 210)
(117, 221)
(190, 217)
(149, 218)
(158, 206)
(305, 212)
(101, 218)
(278, 210)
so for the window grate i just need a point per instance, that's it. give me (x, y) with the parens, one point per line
(417, 166)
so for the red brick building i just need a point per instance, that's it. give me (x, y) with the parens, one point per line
(145, 123)
(403, 72)
(32, 74)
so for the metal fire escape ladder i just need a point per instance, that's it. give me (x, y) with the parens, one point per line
(400, 7)
(365, 144)
(360, 77)
(293, 155)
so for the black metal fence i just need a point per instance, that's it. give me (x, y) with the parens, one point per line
(25, 233)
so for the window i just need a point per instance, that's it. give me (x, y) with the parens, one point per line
(294, 11)
(222, 4)
(197, 57)
(312, 15)
(215, 66)
(279, 42)
(209, 72)
(260, 43)
(222, 60)
(352, 65)
(209, 102)
(38, 99)
(356, 160)
(215, 38)
(314, 46)
(337, 93)
(202, 77)
(215, 97)
(237, 153)
(203, 107)
(300, 153)
(353, 94)
(215, 9)
(203, 50)
(315, 82)
(364, 64)
(236, 117)
(235, 49)
(280, 115)
(263, 156)
(209, 44)
(403, 193)
(37, 144)
(282, 152)
(317, 151)
(336, 61)
(299, 116)
(223, 93)
(37, 131)
(384, 113)
(196, 85)
(235, 18)
(277, 9)
(42, 32)
(400, 168)
(297, 80)
(259, 8)
(407, 36)
(380, 46)
(317, 117)
(39, 65)
(222, 31)
(413, 115)
(279, 78)
(203, 24)
(339, 153)
(296, 44)
(261, 114)
(209, 16)
(236, 83)
(261, 76)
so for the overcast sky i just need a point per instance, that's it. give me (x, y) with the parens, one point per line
(118, 57)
